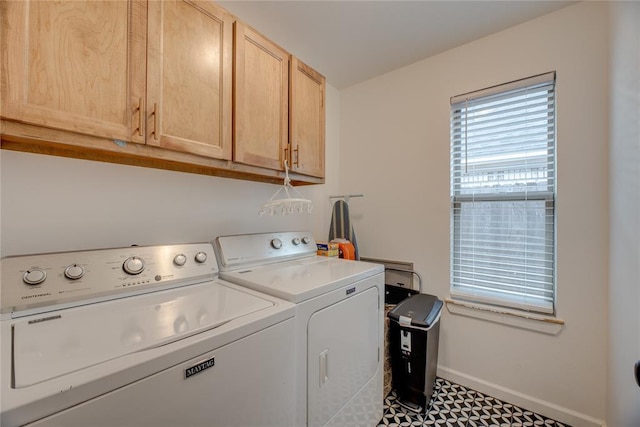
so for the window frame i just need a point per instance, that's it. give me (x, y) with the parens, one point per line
(494, 297)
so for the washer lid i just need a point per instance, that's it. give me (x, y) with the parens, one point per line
(300, 280)
(57, 343)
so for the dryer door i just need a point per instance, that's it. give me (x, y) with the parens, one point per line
(343, 346)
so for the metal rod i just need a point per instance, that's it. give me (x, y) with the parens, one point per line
(346, 195)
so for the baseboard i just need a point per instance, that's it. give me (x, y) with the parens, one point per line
(548, 409)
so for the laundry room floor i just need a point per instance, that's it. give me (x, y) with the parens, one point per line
(456, 405)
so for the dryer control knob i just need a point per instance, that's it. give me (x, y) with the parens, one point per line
(201, 257)
(306, 240)
(295, 241)
(74, 272)
(34, 276)
(133, 265)
(276, 243)
(180, 260)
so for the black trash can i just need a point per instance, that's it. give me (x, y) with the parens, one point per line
(414, 331)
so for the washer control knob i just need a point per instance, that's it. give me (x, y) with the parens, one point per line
(295, 241)
(133, 265)
(201, 257)
(34, 276)
(276, 243)
(74, 272)
(306, 240)
(180, 260)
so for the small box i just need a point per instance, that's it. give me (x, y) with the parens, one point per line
(327, 249)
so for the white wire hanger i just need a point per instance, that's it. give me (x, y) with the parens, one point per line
(288, 205)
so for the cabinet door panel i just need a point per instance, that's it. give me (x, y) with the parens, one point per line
(261, 100)
(189, 78)
(307, 119)
(75, 66)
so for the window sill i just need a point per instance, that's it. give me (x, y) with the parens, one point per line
(534, 322)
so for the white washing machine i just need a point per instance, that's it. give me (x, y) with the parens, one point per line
(141, 336)
(339, 321)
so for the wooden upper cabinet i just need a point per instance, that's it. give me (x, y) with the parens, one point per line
(189, 78)
(75, 65)
(307, 120)
(261, 100)
(192, 87)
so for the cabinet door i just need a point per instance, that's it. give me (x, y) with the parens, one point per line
(261, 100)
(306, 119)
(189, 78)
(75, 65)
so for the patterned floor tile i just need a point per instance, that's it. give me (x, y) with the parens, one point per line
(454, 405)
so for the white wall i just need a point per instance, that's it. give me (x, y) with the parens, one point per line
(623, 403)
(398, 124)
(57, 204)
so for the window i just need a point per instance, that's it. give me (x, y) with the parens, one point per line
(502, 195)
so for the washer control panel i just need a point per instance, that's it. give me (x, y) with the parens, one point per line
(248, 250)
(40, 281)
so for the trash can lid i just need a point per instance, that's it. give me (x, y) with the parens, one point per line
(422, 309)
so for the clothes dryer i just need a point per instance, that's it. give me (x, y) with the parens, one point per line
(339, 321)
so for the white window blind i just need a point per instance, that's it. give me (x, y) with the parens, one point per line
(502, 195)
